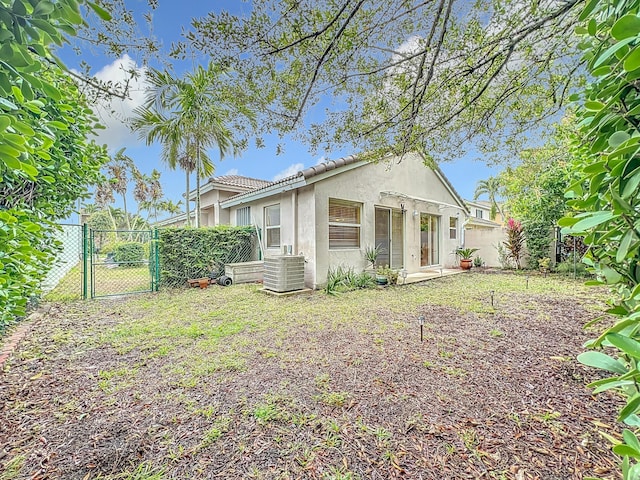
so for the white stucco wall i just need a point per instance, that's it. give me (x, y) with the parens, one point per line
(286, 201)
(486, 240)
(363, 184)
(307, 207)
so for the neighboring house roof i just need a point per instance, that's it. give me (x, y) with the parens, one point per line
(479, 204)
(232, 183)
(239, 181)
(328, 168)
(482, 222)
(181, 217)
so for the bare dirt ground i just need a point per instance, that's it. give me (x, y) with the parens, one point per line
(231, 383)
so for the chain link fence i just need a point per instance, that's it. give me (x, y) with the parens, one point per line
(188, 254)
(102, 263)
(121, 262)
(64, 280)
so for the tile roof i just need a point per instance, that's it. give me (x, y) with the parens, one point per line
(240, 181)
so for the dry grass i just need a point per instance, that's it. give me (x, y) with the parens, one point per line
(231, 383)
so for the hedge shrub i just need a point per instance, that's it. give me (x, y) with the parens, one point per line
(186, 253)
(129, 254)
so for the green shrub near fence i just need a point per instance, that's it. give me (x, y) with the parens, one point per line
(129, 254)
(186, 253)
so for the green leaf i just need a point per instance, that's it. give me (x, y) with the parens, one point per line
(606, 55)
(601, 361)
(625, 243)
(612, 384)
(630, 185)
(594, 106)
(101, 12)
(588, 9)
(618, 138)
(5, 121)
(58, 125)
(628, 345)
(630, 408)
(631, 439)
(591, 220)
(7, 104)
(626, 27)
(626, 450)
(43, 8)
(29, 170)
(633, 60)
(11, 162)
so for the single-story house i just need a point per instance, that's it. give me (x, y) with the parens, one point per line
(332, 212)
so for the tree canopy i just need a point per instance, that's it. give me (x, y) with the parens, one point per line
(401, 75)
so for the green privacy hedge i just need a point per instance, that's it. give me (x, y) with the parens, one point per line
(186, 253)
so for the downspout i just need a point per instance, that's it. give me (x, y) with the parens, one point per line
(294, 219)
(464, 224)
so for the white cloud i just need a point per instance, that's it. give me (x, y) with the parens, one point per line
(291, 170)
(233, 171)
(113, 114)
(320, 160)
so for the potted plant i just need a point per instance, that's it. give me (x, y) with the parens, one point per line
(381, 275)
(465, 255)
(371, 255)
(543, 264)
(386, 275)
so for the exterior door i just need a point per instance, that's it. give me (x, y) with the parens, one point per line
(389, 237)
(429, 240)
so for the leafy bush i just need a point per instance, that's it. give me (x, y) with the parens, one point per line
(503, 257)
(567, 268)
(47, 161)
(344, 279)
(129, 254)
(478, 262)
(193, 253)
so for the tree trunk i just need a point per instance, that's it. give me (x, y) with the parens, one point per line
(197, 184)
(186, 199)
(126, 213)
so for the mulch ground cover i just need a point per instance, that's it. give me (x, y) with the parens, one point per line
(489, 393)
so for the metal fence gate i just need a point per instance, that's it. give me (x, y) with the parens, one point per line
(120, 262)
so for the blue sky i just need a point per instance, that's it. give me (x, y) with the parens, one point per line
(169, 19)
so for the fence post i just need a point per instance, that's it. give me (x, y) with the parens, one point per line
(85, 260)
(156, 259)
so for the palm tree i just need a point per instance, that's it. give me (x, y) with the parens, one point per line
(188, 116)
(491, 187)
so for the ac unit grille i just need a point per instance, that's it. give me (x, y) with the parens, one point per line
(284, 273)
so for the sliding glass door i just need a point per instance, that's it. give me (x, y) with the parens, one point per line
(389, 237)
(429, 240)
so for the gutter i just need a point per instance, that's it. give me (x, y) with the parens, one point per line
(279, 187)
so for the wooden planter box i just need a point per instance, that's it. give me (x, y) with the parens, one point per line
(245, 272)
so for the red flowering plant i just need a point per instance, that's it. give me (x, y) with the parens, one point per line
(515, 241)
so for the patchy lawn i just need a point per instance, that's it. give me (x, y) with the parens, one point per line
(231, 383)
(108, 280)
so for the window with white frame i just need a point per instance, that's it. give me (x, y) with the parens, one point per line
(344, 224)
(453, 228)
(243, 216)
(272, 225)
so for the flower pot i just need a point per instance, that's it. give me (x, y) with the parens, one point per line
(381, 279)
(465, 263)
